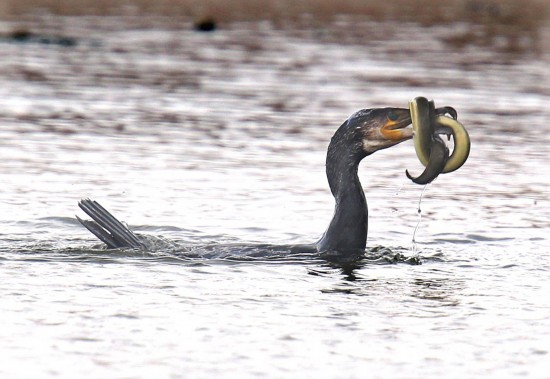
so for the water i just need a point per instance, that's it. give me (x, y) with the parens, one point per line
(218, 141)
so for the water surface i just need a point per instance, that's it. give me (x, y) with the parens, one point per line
(219, 140)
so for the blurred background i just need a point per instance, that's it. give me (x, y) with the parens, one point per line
(512, 26)
(207, 122)
(502, 18)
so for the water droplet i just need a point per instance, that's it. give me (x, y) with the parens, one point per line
(419, 212)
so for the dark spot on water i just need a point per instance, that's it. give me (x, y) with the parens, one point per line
(207, 24)
(128, 316)
(86, 339)
(314, 273)
(288, 337)
(31, 75)
(20, 35)
(481, 238)
(26, 36)
(509, 266)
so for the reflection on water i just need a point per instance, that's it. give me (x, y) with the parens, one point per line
(440, 292)
(217, 143)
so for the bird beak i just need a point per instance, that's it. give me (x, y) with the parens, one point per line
(394, 130)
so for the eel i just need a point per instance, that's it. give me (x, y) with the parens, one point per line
(461, 149)
(439, 155)
(428, 122)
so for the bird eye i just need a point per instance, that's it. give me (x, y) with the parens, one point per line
(392, 116)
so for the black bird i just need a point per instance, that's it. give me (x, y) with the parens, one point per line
(364, 133)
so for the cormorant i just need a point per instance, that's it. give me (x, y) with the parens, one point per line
(364, 133)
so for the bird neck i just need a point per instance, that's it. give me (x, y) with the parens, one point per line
(348, 229)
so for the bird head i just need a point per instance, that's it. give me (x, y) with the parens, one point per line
(381, 128)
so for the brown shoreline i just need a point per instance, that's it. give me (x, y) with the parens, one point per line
(504, 25)
(497, 12)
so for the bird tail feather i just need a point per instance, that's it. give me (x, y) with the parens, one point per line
(106, 227)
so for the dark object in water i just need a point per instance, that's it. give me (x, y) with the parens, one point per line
(364, 133)
(26, 36)
(205, 25)
(21, 35)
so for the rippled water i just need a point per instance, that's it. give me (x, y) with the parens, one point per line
(217, 141)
